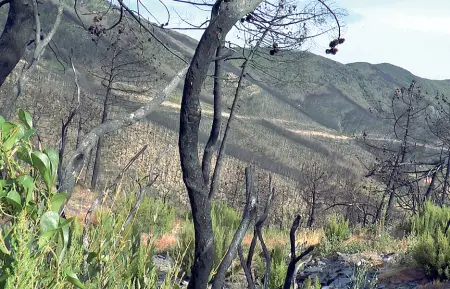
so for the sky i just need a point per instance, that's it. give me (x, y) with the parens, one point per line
(412, 34)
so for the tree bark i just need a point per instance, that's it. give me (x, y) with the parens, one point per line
(227, 14)
(211, 145)
(15, 36)
(96, 169)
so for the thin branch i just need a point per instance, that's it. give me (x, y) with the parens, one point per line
(77, 160)
(143, 191)
(150, 32)
(334, 15)
(247, 217)
(194, 3)
(40, 45)
(4, 2)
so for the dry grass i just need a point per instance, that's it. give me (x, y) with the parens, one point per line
(304, 236)
(166, 241)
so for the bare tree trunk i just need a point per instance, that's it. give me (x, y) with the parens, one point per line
(294, 258)
(78, 133)
(224, 16)
(15, 36)
(431, 186)
(211, 145)
(97, 158)
(312, 214)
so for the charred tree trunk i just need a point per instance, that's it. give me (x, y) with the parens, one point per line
(312, 214)
(224, 16)
(98, 151)
(15, 36)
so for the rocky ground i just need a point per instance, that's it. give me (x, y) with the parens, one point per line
(380, 271)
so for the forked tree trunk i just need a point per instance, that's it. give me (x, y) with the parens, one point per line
(227, 13)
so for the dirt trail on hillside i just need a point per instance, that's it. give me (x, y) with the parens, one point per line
(309, 133)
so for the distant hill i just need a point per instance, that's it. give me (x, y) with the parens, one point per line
(306, 106)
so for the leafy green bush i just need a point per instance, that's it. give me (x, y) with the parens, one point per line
(432, 250)
(278, 266)
(337, 230)
(225, 222)
(38, 248)
(307, 284)
(154, 216)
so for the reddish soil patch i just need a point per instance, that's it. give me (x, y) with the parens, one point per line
(166, 241)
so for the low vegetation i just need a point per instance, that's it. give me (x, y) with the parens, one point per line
(39, 248)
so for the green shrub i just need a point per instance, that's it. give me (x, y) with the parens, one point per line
(225, 222)
(278, 266)
(337, 230)
(154, 216)
(307, 284)
(432, 250)
(39, 249)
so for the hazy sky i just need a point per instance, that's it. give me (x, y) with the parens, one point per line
(413, 34)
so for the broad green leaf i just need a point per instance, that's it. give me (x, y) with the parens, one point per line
(7, 128)
(2, 120)
(29, 133)
(28, 184)
(24, 155)
(54, 161)
(72, 277)
(42, 163)
(26, 118)
(65, 236)
(91, 256)
(2, 190)
(11, 133)
(65, 222)
(53, 157)
(49, 221)
(14, 199)
(57, 200)
(3, 247)
(4, 276)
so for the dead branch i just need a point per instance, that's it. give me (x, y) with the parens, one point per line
(294, 259)
(142, 192)
(77, 160)
(40, 45)
(247, 217)
(65, 125)
(215, 184)
(257, 235)
(211, 145)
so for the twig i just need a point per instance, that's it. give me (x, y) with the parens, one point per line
(150, 32)
(247, 217)
(142, 192)
(40, 44)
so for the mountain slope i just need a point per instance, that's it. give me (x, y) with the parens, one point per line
(301, 93)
